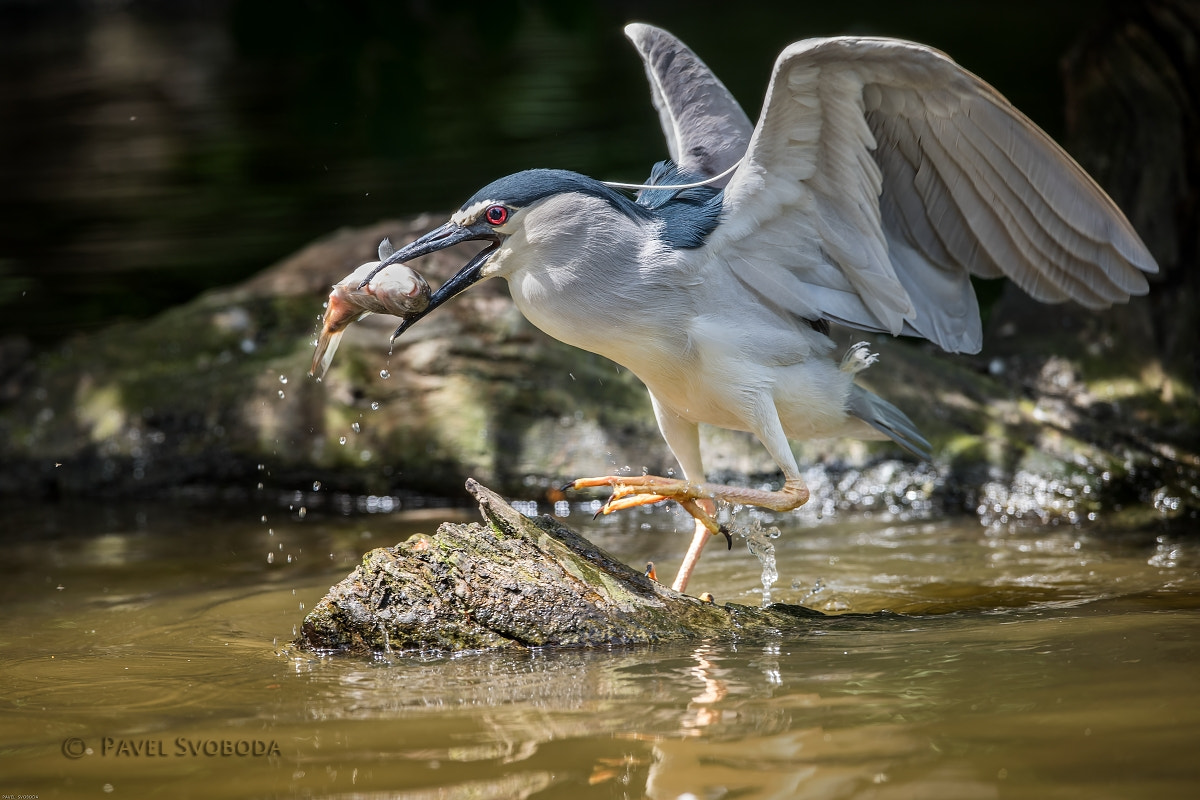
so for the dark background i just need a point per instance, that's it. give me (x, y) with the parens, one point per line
(150, 150)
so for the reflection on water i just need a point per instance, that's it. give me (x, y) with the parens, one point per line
(1008, 662)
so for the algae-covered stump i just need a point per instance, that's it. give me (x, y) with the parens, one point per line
(514, 582)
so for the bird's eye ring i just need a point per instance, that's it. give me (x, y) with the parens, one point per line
(496, 215)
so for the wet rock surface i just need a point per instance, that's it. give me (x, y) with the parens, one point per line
(514, 582)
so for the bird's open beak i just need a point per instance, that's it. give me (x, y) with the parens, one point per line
(447, 235)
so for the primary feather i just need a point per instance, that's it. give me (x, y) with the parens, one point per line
(881, 176)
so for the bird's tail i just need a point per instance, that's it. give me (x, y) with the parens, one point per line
(889, 420)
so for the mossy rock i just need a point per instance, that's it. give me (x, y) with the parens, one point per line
(512, 583)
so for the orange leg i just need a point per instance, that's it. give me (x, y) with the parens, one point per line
(697, 499)
(700, 538)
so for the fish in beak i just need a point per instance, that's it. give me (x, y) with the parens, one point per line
(371, 289)
(447, 235)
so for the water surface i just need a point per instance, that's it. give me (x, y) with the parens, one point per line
(145, 653)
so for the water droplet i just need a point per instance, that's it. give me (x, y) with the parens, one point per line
(342, 440)
(758, 542)
(354, 426)
(283, 378)
(303, 512)
(270, 531)
(316, 486)
(270, 558)
(383, 373)
(281, 395)
(374, 405)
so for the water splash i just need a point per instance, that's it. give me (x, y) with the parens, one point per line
(759, 541)
(817, 587)
(1037, 499)
(1166, 554)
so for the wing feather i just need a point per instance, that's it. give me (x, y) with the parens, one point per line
(706, 130)
(881, 175)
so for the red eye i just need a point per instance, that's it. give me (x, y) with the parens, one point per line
(496, 215)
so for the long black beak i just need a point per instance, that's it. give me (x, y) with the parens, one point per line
(447, 235)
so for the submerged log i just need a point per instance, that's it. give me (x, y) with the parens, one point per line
(514, 582)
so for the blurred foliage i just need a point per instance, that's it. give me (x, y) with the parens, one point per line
(152, 150)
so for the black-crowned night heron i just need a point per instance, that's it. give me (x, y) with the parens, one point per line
(879, 178)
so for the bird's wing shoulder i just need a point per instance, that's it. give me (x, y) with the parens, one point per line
(881, 174)
(706, 130)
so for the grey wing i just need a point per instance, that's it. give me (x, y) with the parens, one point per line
(706, 130)
(881, 175)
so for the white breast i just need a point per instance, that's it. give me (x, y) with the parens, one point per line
(611, 289)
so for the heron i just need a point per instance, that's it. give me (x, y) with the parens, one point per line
(879, 177)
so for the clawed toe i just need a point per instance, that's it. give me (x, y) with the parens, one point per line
(628, 492)
(642, 490)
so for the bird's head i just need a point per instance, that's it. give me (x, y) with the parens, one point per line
(493, 215)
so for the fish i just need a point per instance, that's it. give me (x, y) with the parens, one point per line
(398, 290)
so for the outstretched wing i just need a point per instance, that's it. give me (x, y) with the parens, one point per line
(881, 175)
(707, 131)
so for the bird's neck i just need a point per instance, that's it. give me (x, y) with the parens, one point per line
(608, 288)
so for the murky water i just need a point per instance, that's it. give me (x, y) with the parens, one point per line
(148, 658)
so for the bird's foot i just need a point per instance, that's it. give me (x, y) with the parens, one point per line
(630, 491)
(858, 358)
(643, 490)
